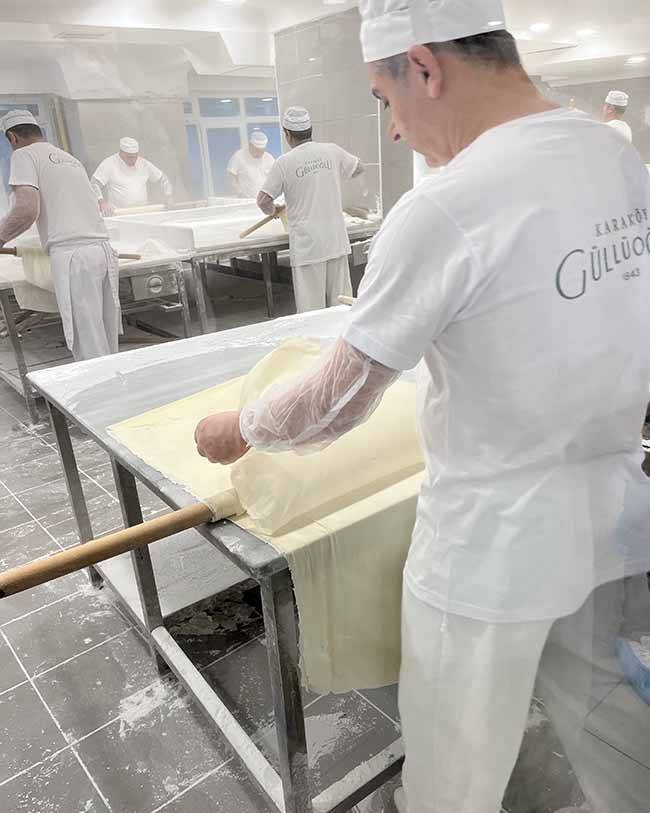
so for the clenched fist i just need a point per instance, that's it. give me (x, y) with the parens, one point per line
(218, 438)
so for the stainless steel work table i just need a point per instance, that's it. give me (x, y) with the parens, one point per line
(128, 270)
(268, 248)
(98, 393)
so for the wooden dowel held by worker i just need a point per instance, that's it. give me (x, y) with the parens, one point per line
(68, 561)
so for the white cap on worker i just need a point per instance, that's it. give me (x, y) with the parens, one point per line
(259, 139)
(130, 146)
(296, 120)
(617, 98)
(391, 27)
(16, 117)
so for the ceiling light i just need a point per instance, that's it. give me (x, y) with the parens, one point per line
(267, 100)
(225, 101)
(540, 28)
(495, 23)
(636, 60)
(583, 33)
(312, 59)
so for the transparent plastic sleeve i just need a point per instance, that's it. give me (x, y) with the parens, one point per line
(310, 412)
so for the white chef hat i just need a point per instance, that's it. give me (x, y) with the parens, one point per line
(296, 120)
(391, 27)
(259, 139)
(617, 98)
(129, 145)
(16, 117)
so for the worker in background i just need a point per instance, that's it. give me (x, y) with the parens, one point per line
(51, 188)
(614, 110)
(248, 168)
(529, 447)
(122, 180)
(309, 176)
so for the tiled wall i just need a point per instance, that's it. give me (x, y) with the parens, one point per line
(319, 66)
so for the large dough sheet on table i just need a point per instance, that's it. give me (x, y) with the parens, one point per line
(346, 564)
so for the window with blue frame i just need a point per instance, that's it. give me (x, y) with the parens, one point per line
(261, 106)
(219, 108)
(223, 143)
(196, 162)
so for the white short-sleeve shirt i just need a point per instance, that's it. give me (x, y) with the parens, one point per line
(310, 178)
(520, 275)
(250, 172)
(621, 127)
(69, 210)
(127, 186)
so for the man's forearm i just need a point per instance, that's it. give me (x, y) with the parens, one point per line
(266, 203)
(22, 215)
(341, 392)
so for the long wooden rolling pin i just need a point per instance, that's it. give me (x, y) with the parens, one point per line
(14, 253)
(90, 553)
(257, 226)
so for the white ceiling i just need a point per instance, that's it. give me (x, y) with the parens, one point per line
(558, 54)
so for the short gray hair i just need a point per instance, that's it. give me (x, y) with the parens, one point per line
(497, 49)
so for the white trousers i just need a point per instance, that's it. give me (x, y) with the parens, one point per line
(86, 283)
(319, 285)
(464, 696)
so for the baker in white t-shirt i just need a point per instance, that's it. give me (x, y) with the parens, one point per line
(309, 176)
(520, 287)
(248, 168)
(51, 188)
(122, 180)
(614, 110)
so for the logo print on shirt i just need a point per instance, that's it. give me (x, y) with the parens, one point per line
(63, 160)
(314, 166)
(575, 271)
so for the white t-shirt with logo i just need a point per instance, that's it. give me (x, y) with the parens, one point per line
(521, 276)
(250, 172)
(128, 185)
(310, 178)
(621, 127)
(69, 208)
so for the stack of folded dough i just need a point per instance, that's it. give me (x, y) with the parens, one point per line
(36, 291)
(342, 517)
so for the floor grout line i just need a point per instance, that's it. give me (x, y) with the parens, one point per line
(38, 609)
(228, 654)
(13, 688)
(192, 786)
(24, 771)
(14, 527)
(376, 708)
(83, 652)
(82, 764)
(36, 520)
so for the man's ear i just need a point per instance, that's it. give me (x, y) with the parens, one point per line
(427, 69)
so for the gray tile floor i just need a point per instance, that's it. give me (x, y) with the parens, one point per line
(87, 724)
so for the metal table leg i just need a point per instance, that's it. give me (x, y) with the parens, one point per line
(17, 347)
(185, 302)
(145, 578)
(268, 283)
(200, 292)
(73, 483)
(282, 640)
